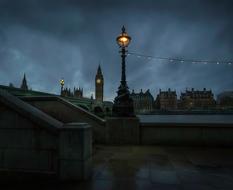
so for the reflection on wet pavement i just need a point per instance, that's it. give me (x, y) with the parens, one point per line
(153, 167)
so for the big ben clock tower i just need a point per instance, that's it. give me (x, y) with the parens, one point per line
(99, 85)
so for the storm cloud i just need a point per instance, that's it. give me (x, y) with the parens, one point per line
(51, 39)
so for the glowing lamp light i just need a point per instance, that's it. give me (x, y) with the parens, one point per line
(62, 82)
(123, 39)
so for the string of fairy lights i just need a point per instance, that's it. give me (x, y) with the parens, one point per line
(180, 60)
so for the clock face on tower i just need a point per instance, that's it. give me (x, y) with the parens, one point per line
(98, 81)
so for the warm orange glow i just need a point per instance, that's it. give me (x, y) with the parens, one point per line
(123, 40)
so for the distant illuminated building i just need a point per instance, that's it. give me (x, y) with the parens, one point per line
(166, 100)
(225, 100)
(197, 99)
(77, 93)
(143, 102)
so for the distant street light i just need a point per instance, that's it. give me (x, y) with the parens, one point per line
(123, 103)
(62, 82)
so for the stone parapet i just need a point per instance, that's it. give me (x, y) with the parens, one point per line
(186, 134)
(122, 130)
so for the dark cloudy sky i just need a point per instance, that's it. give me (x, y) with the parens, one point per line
(50, 39)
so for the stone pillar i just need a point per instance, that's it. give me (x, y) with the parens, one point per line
(75, 151)
(122, 130)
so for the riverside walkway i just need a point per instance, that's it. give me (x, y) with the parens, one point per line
(153, 168)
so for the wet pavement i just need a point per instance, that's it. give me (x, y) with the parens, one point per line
(155, 167)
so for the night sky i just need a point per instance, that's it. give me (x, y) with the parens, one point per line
(52, 39)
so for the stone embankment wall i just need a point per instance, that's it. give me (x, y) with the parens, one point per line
(34, 145)
(186, 134)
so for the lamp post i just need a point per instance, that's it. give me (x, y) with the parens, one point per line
(62, 82)
(123, 103)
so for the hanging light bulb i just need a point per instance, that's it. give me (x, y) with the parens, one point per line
(176, 60)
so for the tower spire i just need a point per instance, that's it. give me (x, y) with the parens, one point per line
(24, 85)
(99, 71)
(99, 85)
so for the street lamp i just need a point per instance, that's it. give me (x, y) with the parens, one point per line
(62, 82)
(123, 103)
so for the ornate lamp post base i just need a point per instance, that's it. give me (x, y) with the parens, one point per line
(123, 105)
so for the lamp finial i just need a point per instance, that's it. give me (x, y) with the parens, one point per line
(123, 29)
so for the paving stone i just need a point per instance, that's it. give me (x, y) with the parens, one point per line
(124, 169)
(183, 165)
(163, 177)
(190, 177)
(154, 168)
(160, 162)
(195, 186)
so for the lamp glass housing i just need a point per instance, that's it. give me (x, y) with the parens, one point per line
(123, 39)
(62, 82)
